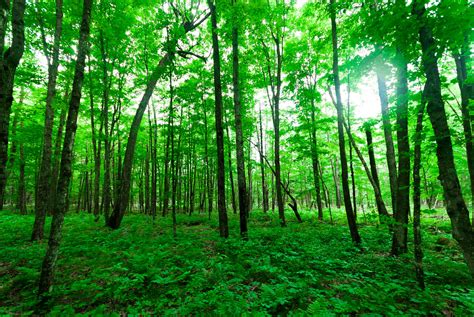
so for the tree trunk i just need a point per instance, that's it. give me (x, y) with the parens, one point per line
(315, 161)
(44, 181)
(21, 197)
(49, 262)
(56, 160)
(455, 204)
(466, 94)
(418, 252)
(9, 60)
(265, 203)
(231, 174)
(122, 201)
(373, 169)
(400, 233)
(387, 130)
(340, 122)
(336, 183)
(223, 226)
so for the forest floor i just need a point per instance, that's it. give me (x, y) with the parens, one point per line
(305, 269)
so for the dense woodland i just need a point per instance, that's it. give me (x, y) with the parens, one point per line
(210, 157)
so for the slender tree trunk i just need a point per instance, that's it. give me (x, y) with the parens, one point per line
(466, 95)
(335, 177)
(49, 262)
(96, 148)
(351, 159)
(373, 169)
(265, 203)
(21, 197)
(166, 181)
(223, 226)
(44, 180)
(455, 204)
(340, 122)
(56, 160)
(107, 83)
(315, 161)
(400, 233)
(381, 70)
(418, 252)
(9, 60)
(231, 174)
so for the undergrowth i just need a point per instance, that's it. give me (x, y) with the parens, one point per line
(305, 269)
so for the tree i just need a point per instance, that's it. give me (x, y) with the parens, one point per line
(455, 204)
(44, 180)
(49, 261)
(340, 127)
(9, 60)
(221, 206)
(239, 139)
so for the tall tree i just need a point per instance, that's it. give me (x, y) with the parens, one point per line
(221, 206)
(340, 127)
(44, 180)
(400, 233)
(455, 204)
(9, 59)
(122, 200)
(49, 262)
(239, 138)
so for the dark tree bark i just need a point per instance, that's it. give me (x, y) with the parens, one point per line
(265, 202)
(96, 148)
(13, 155)
(44, 180)
(122, 201)
(381, 69)
(455, 204)
(49, 262)
(373, 169)
(467, 94)
(231, 174)
(221, 207)
(106, 85)
(400, 232)
(315, 162)
(166, 181)
(340, 122)
(377, 192)
(9, 59)
(418, 252)
(56, 159)
(351, 158)
(239, 139)
(335, 177)
(21, 196)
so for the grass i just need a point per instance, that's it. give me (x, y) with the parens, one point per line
(305, 269)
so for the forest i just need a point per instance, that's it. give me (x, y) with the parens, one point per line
(236, 157)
